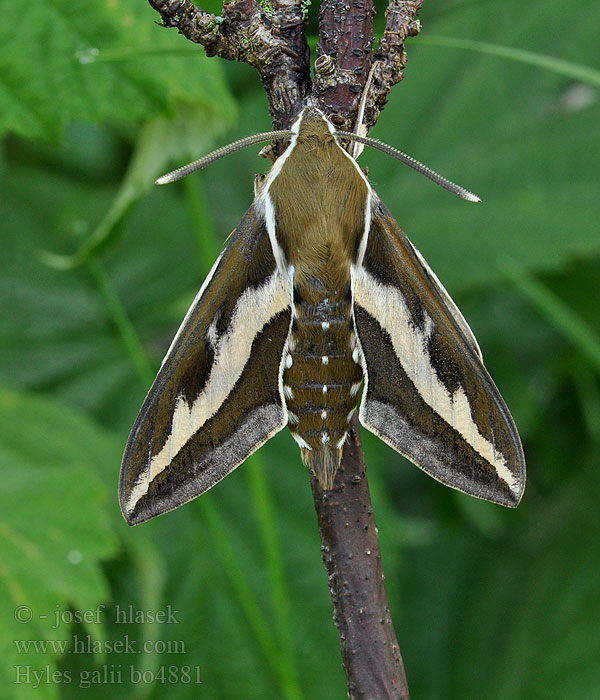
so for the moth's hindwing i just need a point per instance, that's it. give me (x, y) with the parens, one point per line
(427, 393)
(217, 396)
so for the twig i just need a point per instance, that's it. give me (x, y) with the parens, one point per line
(350, 550)
(349, 542)
(273, 43)
(400, 23)
(344, 57)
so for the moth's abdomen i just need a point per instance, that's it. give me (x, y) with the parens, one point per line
(321, 380)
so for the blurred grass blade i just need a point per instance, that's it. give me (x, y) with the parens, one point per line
(131, 53)
(197, 203)
(148, 158)
(150, 577)
(265, 515)
(254, 615)
(589, 399)
(117, 312)
(576, 71)
(160, 142)
(559, 315)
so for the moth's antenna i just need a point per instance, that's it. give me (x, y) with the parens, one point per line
(419, 167)
(221, 153)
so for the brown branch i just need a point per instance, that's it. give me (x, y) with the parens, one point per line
(274, 43)
(350, 550)
(390, 57)
(344, 57)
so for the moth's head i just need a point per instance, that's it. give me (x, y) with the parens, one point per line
(311, 124)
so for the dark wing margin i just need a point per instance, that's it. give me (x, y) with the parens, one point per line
(217, 396)
(427, 393)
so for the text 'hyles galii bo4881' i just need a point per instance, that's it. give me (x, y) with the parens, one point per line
(319, 294)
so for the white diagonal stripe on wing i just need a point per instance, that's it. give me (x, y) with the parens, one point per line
(386, 304)
(253, 310)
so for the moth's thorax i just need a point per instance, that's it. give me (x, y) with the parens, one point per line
(319, 200)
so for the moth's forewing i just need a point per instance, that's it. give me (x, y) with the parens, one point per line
(427, 392)
(217, 397)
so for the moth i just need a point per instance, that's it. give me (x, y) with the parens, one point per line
(319, 294)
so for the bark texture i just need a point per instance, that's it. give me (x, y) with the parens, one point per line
(350, 550)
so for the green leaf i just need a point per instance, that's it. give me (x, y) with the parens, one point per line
(159, 142)
(54, 530)
(55, 330)
(511, 618)
(59, 64)
(517, 134)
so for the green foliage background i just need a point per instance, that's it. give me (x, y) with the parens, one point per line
(98, 268)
